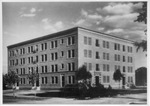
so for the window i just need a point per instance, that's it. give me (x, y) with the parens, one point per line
(116, 46)
(130, 59)
(71, 53)
(129, 49)
(71, 79)
(105, 44)
(61, 41)
(123, 47)
(71, 40)
(105, 56)
(85, 53)
(54, 80)
(43, 46)
(106, 79)
(62, 66)
(90, 53)
(44, 69)
(54, 68)
(97, 55)
(90, 66)
(54, 56)
(17, 71)
(44, 80)
(29, 50)
(44, 57)
(97, 43)
(117, 57)
(55, 43)
(124, 59)
(85, 40)
(61, 53)
(124, 69)
(105, 67)
(52, 44)
(89, 41)
(71, 66)
(97, 67)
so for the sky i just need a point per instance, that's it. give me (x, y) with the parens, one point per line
(22, 21)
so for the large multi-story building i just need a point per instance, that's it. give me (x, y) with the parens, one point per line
(56, 57)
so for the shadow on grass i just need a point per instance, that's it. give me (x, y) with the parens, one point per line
(89, 95)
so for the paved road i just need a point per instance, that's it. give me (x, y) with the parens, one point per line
(120, 99)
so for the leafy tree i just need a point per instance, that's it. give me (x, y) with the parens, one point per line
(83, 74)
(11, 78)
(142, 17)
(141, 76)
(117, 76)
(33, 77)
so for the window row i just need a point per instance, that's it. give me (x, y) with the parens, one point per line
(43, 46)
(17, 52)
(55, 80)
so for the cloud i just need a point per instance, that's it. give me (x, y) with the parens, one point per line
(88, 19)
(52, 27)
(121, 8)
(79, 22)
(115, 31)
(118, 8)
(32, 10)
(59, 25)
(27, 15)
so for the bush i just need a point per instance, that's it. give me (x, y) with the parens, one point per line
(132, 86)
(70, 90)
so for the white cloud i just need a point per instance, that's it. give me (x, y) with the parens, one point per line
(25, 12)
(120, 21)
(79, 22)
(32, 10)
(121, 8)
(59, 24)
(45, 20)
(118, 8)
(27, 15)
(115, 31)
(52, 27)
(84, 13)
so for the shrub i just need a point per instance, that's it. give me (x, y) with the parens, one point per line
(132, 86)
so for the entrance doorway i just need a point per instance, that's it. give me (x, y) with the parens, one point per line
(97, 80)
(62, 80)
(123, 82)
(37, 83)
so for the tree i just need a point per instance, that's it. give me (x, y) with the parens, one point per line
(142, 17)
(117, 76)
(83, 74)
(33, 77)
(141, 76)
(11, 78)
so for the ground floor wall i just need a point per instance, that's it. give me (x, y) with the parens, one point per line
(60, 79)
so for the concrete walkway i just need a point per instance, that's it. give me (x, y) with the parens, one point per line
(22, 97)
